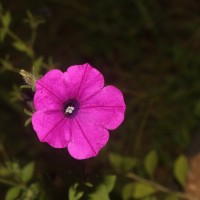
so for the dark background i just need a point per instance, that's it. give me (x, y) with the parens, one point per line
(148, 49)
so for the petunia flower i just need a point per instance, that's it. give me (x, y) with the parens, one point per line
(74, 110)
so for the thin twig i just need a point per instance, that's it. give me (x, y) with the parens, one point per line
(161, 188)
(144, 13)
(7, 182)
(141, 128)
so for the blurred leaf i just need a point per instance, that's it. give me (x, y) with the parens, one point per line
(127, 163)
(4, 172)
(34, 190)
(37, 64)
(115, 160)
(149, 198)
(74, 194)
(151, 162)
(13, 193)
(172, 197)
(27, 172)
(197, 108)
(127, 191)
(100, 193)
(142, 190)
(33, 21)
(27, 122)
(109, 181)
(121, 163)
(6, 64)
(29, 113)
(21, 46)
(15, 94)
(181, 169)
(3, 32)
(6, 20)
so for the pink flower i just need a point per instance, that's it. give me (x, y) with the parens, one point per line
(75, 110)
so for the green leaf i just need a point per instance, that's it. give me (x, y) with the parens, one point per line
(4, 172)
(6, 20)
(171, 197)
(149, 198)
(127, 191)
(21, 46)
(73, 193)
(100, 193)
(181, 169)
(127, 163)
(115, 161)
(3, 32)
(121, 163)
(109, 181)
(37, 64)
(27, 172)
(13, 193)
(151, 162)
(28, 121)
(142, 190)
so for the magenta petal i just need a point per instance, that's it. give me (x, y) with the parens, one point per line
(51, 127)
(106, 108)
(51, 91)
(86, 139)
(85, 80)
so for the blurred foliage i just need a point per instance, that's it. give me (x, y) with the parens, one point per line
(149, 49)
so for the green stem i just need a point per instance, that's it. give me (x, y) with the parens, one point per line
(33, 37)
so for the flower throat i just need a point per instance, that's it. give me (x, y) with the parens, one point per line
(71, 107)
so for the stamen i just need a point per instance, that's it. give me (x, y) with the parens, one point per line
(69, 109)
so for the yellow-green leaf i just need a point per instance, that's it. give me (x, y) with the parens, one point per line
(21, 46)
(171, 197)
(127, 191)
(121, 163)
(3, 32)
(6, 19)
(74, 194)
(181, 169)
(100, 193)
(37, 64)
(142, 190)
(13, 193)
(27, 172)
(109, 182)
(151, 162)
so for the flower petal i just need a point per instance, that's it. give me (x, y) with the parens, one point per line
(51, 127)
(106, 108)
(85, 80)
(86, 139)
(51, 91)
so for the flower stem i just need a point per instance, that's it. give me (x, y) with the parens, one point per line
(161, 188)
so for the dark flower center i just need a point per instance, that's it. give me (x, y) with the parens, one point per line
(71, 107)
